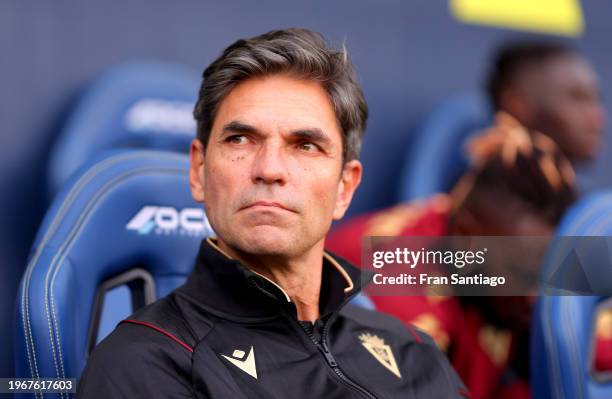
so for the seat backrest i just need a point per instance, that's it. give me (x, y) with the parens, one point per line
(126, 218)
(136, 104)
(435, 159)
(563, 325)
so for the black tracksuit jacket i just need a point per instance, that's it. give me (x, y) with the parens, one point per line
(231, 333)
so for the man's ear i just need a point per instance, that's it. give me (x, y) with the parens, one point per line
(196, 170)
(349, 181)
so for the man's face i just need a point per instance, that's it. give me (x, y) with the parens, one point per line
(567, 106)
(272, 176)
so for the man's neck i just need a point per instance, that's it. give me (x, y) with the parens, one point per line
(300, 277)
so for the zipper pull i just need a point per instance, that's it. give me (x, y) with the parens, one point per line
(328, 356)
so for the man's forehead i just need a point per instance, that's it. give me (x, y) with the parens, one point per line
(278, 103)
(544, 81)
(566, 69)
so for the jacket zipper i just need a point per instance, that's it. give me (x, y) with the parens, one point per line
(331, 361)
(322, 345)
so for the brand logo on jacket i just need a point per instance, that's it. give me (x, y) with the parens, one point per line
(246, 364)
(381, 352)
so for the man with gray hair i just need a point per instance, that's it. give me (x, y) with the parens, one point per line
(263, 315)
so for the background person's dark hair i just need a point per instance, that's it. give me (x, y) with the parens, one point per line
(297, 52)
(526, 182)
(512, 163)
(512, 59)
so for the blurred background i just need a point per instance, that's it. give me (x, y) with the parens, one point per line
(411, 57)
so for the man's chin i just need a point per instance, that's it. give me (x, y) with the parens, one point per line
(267, 240)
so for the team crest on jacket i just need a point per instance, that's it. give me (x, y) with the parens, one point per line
(381, 352)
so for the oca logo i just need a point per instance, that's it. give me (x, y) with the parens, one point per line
(167, 220)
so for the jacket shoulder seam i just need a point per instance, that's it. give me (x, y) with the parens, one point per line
(159, 330)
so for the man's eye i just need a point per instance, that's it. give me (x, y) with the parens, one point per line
(236, 139)
(308, 146)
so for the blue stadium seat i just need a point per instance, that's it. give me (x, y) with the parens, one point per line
(563, 326)
(435, 159)
(125, 223)
(137, 104)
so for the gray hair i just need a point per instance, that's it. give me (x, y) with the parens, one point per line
(300, 53)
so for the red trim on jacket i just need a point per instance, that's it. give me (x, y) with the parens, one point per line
(159, 330)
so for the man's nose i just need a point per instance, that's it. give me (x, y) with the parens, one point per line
(270, 165)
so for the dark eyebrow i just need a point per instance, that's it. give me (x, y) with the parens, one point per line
(315, 135)
(240, 127)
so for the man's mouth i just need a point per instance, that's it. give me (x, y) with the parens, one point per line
(268, 204)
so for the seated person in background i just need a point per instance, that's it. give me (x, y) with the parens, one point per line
(550, 88)
(520, 184)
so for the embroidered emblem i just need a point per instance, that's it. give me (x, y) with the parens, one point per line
(381, 352)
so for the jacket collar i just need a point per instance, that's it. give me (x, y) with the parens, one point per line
(225, 287)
